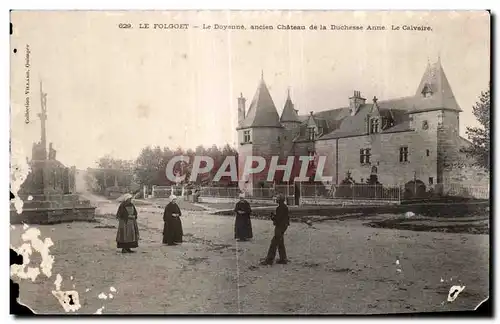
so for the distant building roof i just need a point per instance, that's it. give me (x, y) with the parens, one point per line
(262, 111)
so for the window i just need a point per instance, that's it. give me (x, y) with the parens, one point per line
(427, 91)
(440, 118)
(428, 152)
(431, 180)
(374, 125)
(403, 154)
(311, 134)
(320, 130)
(279, 140)
(246, 136)
(425, 125)
(364, 156)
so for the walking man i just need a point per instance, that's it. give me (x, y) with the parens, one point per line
(281, 222)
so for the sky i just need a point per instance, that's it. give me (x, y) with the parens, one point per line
(115, 91)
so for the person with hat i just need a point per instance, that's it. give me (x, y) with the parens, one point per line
(127, 236)
(172, 228)
(281, 221)
(242, 223)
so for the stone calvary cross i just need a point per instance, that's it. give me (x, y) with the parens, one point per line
(43, 118)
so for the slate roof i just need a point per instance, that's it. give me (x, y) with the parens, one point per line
(435, 79)
(399, 109)
(326, 120)
(289, 114)
(337, 123)
(262, 111)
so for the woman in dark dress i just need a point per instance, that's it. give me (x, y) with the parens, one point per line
(243, 224)
(127, 237)
(172, 228)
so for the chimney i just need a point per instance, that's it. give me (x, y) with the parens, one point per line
(355, 102)
(241, 108)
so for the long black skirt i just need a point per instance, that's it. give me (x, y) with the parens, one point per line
(172, 231)
(127, 236)
(243, 227)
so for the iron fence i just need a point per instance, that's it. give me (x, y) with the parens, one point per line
(397, 193)
(166, 191)
(350, 192)
(220, 192)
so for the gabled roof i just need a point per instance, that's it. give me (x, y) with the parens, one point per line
(326, 121)
(262, 111)
(311, 122)
(289, 114)
(398, 109)
(357, 125)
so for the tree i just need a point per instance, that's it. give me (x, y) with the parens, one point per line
(480, 136)
(108, 162)
(148, 166)
(107, 178)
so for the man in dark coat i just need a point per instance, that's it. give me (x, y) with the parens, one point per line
(281, 222)
(172, 229)
(242, 223)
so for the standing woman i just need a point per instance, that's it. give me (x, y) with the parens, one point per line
(242, 224)
(127, 237)
(172, 229)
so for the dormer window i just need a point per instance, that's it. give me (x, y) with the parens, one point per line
(311, 135)
(374, 125)
(427, 91)
(386, 122)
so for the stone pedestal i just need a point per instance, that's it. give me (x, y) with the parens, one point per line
(48, 196)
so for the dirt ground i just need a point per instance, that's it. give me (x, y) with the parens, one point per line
(337, 267)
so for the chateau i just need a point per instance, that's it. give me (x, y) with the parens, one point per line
(400, 140)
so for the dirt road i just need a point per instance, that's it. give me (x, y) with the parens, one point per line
(339, 267)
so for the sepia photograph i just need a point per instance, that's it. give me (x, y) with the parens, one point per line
(253, 162)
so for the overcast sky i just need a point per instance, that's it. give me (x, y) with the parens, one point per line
(115, 91)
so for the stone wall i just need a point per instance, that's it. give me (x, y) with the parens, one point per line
(53, 216)
(448, 140)
(385, 150)
(265, 142)
(328, 149)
